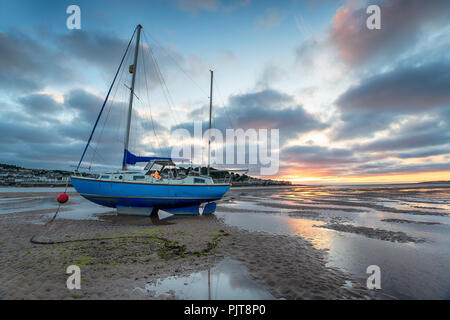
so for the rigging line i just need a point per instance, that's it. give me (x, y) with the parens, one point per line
(165, 90)
(101, 158)
(177, 64)
(101, 133)
(224, 106)
(107, 116)
(153, 64)
(106, 99)
(161, 79)
(99, 138)
(149, 106)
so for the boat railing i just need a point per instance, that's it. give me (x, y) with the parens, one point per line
(77, 173)
(225, 180)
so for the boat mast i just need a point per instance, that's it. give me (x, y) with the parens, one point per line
(210, 113)
(133, 69)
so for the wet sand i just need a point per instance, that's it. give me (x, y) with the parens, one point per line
(119, 254)
(403, 229)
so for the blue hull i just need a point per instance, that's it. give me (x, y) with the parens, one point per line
(161, 196)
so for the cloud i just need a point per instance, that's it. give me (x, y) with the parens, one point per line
(403, 23)
(264, 109)
(415, 133)
(26, 64)
(420, 153)
(194, 6)
(270, 73)
(396, 168)
(41, 106)
(378, 101)
(99, 49)
(104, 52)
(403, 89)
(269, 20)
(269, 109)
(317, 156)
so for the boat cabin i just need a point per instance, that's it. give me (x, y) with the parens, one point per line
(163, 171)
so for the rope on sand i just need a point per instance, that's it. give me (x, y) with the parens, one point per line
(33, 240)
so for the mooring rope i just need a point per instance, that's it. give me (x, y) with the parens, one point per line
(94, 239)
(56, 213)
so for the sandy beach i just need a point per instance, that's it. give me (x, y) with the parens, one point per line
(260, 239)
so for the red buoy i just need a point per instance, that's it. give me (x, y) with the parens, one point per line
(62, 198)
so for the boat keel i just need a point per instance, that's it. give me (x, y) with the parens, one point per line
(209, 208)
(136, 211)
(190, 210)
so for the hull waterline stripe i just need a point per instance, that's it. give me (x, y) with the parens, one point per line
(174, 198)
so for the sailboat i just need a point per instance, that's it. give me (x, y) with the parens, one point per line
(162, 185)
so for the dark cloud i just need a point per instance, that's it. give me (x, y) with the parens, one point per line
(403, 89)
(266, 109)
(397, 168)
(26, 64)
(101, 49)
(420, 153)
(362, 124)
(418, 134)
(381, 100)
(42, 106)
(270, 109)
(318, 156)
(403, 23)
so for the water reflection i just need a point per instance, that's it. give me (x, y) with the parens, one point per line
(228, 280)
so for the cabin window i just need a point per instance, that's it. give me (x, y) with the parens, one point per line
(138, 177)
(104, 177)
(197, 180)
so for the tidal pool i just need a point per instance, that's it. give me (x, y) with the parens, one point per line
(228, 280)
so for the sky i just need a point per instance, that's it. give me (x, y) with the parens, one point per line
(352, 105)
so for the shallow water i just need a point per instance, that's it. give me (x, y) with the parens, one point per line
(77, 208)
(408, 270)
(228, 280)
(34, 189)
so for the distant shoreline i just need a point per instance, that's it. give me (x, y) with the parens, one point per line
(244, 185)
(34, 185)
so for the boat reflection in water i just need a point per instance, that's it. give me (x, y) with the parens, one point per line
(228, 280)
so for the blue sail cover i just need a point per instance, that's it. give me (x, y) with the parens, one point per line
(129, 158)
